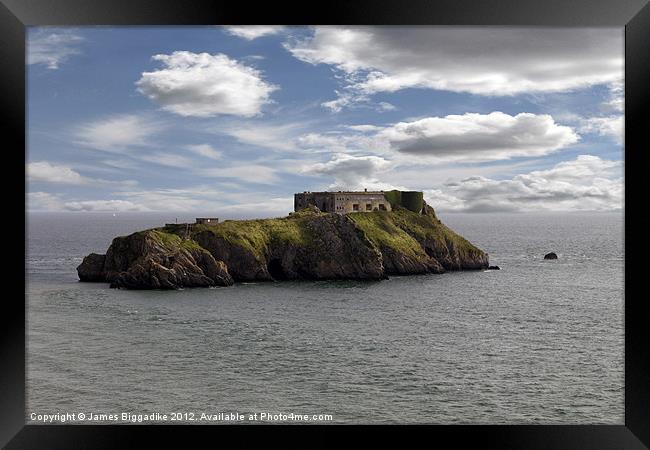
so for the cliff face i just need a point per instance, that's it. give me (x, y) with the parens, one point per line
(305, 245)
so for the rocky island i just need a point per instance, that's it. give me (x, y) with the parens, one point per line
(309, 244)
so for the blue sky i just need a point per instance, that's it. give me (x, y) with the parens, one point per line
(233, 120)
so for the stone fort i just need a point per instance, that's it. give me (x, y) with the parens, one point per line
(343, 202)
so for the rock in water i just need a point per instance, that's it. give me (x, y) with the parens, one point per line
(307, 245)
(494, 268)
(551, 255)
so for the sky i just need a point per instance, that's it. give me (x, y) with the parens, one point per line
(232, 121)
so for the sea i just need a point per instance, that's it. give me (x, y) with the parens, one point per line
(537, 342)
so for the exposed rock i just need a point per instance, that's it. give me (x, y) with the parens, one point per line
(155, 260)
(551, 255)
(427, 210)
(92, 268)
(397, 263)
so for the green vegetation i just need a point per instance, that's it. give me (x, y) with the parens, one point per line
(406, 231)
(171, 241)
(426, 228)
(381, 229)
(400, 230)
(256, 235)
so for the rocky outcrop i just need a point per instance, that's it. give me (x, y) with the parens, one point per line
(92, 268)
(551, 255)
(307, 244)
(154, 260)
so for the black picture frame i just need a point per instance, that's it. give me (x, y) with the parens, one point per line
(634, 15)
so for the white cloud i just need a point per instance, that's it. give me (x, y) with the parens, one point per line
(52, 48)
(250, 173)
(43, 171)
(205, 199)
(250, 32)
(43, 201)
(205, 150)
(334, 142)
(587, 183)
(47, 172)
(385, 106)
(612, 126)
(364, 128)
(345, 99)
(117, 133)
(170, 159)
(275, 137)
(203, 85)
(616, 101)
(103, 205)
(271, 207)
(477, 60)
(479, 137)
(350, 172)
(468, 138)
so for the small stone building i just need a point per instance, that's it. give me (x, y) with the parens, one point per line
(207, 220)
(342, 202)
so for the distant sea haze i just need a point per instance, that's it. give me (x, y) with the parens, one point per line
(540, 341)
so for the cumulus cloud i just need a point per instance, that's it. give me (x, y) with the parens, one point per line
(250, 32)
(117, 133)
(43, 171)
(351, 172)
(52, 48)
(203, 85)
(587, 183)
(469, 137)
(480, 137)
(611, 126)
(483, 61)
(43, 201)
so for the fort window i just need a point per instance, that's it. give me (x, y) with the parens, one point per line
(355, 207)
(382, 207)
(368, 206)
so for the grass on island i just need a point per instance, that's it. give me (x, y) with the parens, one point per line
(381, 229)
(170, 240)
(401, 230)
(404, 230)
(255, 235)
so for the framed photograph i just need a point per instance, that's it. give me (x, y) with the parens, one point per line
(366, 214)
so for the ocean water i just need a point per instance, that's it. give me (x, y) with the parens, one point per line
(536, 342)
